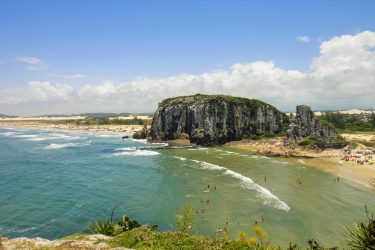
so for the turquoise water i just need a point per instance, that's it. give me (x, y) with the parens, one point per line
(54, 183)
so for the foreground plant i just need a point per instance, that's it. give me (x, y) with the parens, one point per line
(184, 218)
(362, 235)
(105, 227)
(111, 228)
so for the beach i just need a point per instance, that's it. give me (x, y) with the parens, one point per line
(52, 124)
(328, 160)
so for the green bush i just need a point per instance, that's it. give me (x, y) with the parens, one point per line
(184, 218)
(105, 227)
(362, 235)
(183, 136)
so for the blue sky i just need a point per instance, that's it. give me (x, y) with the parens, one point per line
(122, 40)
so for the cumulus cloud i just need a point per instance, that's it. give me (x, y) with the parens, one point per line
(73, 76)
(36, 91)
(32, 62)
(303, 39)
(341, 76)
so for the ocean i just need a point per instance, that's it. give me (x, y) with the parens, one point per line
(53, 183)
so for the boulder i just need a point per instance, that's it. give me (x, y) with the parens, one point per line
(141, 134)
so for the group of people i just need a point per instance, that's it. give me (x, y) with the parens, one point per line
(225, 228)
(360, 157)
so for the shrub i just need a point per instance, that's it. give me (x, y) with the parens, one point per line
(183, 136)
(362, 235)
(105, 227)
(184, 218)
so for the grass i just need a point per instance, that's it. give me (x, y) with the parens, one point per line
(145, 238)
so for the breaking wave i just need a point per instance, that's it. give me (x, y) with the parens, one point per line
(134, 151)
(265, 194)
(66, 145)
(137, 153)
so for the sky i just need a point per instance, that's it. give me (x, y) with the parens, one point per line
(78, 56)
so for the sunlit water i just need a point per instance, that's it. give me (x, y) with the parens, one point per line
(54, 183)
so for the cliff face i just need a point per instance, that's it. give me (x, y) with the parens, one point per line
(306, 125)
(215, 119)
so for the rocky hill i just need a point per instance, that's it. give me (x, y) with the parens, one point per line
(215, 119)
(306, 129)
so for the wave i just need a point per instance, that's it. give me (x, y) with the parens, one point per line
(144, 141)
(107, 135)
(265, 194)
(55, 137)
(23, 230)
(133, 151)
(9, 133)
(66, 145)
(180, 158)
(25, 136)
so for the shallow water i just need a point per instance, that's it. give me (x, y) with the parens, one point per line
(54, 183)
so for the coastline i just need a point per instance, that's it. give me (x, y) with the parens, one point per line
(105, 129)
(329, 160)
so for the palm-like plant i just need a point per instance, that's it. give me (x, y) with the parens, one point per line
(362, 235)
(105, 227)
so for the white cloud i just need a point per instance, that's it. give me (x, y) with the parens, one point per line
(342, 76)
(35, 91)
(303, 39)
(73, 76)
(33, 62)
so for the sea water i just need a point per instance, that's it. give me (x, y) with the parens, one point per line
(54, 183)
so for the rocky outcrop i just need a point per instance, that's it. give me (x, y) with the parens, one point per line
(89, 242)
(305, 129)
(215, 119)
(141, 134)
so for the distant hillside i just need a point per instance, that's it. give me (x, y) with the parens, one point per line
(7, 116)
(99, 115)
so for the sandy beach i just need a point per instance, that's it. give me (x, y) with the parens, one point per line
(118, 129)
(329, 160)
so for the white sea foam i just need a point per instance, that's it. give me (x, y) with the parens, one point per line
(54, 137)
(144, 141)
(106, 135)
(265, 194)
(23, 230)
(26, 136)
(136, 152)
(180, 158)
(9, 133)
(66, 145)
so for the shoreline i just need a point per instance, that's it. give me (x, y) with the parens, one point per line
(329, 160)
(121, 130)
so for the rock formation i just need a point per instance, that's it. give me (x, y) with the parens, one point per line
(306, 129)
(215, 119)
(141, 134)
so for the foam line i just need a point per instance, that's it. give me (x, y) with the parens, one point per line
(265, 194)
